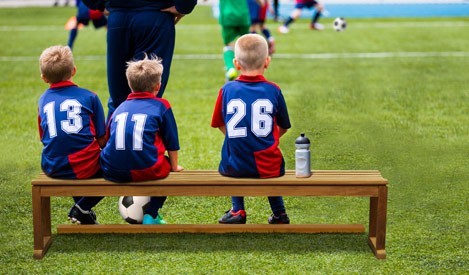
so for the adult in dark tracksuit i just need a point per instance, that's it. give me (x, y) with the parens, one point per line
(136, 28)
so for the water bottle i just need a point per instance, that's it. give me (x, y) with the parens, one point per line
(302, 157)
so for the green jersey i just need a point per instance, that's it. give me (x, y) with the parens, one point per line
(234, 13)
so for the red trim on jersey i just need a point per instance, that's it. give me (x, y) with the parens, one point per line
(41, 132)
(85, 163)
(256, 78)
(150, 95)
(217, 117)
(269, 161)
(252, 78)
(62, 84)
(160, 169)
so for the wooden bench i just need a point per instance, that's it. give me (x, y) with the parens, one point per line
(209, 183)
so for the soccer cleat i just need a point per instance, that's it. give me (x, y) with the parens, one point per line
(148, 219)
(231, 74)
(230, 217)
(317, 26)
(283, 29)
(280, 219)
(80, 216)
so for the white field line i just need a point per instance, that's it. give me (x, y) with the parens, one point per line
(276, 56)
(361, 25)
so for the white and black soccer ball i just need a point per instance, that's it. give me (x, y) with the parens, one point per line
(132, 208)
(339, 24)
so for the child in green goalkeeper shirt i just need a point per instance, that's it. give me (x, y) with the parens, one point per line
(235, 21)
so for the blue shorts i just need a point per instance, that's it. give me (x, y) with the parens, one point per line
(308, 5)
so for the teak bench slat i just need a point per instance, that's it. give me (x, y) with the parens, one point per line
(366, 183)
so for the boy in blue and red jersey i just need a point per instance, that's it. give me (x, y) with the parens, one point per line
(296, 13)
(136, 28)
(71, 128)
(84, 16)
(141, 130)
(252, 114)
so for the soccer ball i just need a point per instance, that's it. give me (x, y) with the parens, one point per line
(339, 24)
(132, 208)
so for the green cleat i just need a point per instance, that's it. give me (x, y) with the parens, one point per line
(148, 219)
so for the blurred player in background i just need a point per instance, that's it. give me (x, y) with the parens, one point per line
(66, 2)
(258, 11)
(83, 17)
(296, 13)
(275, 6)
(135, 29)
(235, 21)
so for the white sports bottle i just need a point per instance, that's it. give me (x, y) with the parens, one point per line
(302, 157)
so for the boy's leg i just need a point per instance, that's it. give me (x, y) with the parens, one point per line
(151, 213)
(81, 212)
(279, 215)
(293, 16)
(156, 203)
(236, 215)
(317, 14)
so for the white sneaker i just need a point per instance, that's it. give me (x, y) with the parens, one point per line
(283, 29)
(317, 26)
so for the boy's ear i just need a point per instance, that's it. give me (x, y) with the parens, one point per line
(44, 79)
(74, 71)
(157, 88)
(236, 64)
(267, 62)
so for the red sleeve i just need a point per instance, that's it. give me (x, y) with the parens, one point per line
(217, 117)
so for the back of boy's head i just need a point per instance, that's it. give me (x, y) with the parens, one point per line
(144, 75)
(56, 63)
(251, 51)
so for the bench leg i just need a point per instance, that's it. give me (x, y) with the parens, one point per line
(41, 223)
(377, 226)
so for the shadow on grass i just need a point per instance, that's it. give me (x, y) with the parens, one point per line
(183, 242)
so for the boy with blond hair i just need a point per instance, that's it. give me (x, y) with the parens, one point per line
(252, 114)
(140, 131)
(71, 127)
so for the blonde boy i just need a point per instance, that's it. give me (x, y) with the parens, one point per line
(71, 127)
(141, 130)
(252, 114)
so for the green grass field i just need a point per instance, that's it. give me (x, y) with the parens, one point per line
(387, 94)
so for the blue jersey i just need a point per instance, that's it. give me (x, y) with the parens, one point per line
(70, 118)
(140, 131)
(251, 109)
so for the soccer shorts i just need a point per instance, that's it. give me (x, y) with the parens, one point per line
(230, 33)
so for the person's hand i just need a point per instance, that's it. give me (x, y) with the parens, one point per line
(178, 169)
(174, 11)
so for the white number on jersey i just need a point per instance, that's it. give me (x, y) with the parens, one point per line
(261, 121)
(137, 135)
(72, 125)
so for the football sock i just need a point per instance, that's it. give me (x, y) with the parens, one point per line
(228, 56)
(288, 21)
(238, 203)
(86, 203)
(266, 33)
(71, 37)
(156, 203)
(316, 17)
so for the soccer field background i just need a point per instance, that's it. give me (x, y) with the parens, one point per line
(386, 94)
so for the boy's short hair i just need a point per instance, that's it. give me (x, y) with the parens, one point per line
(56, 63)
(251, 50)
(144, 75)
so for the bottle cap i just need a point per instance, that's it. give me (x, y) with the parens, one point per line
(302, 139)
